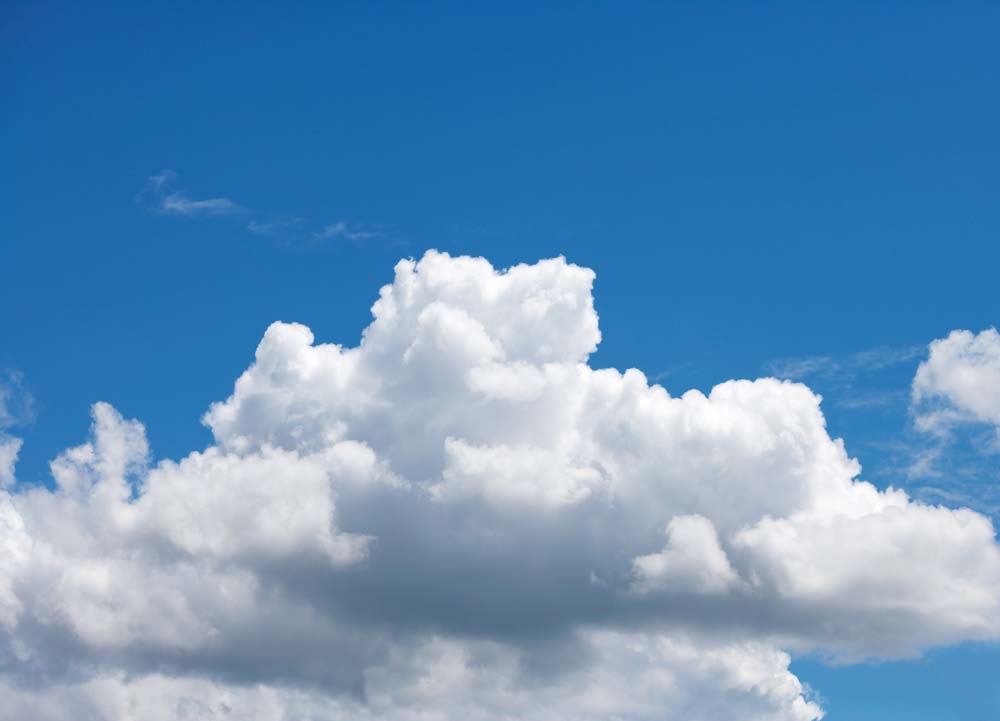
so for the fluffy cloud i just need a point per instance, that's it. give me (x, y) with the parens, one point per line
(959, 382)
(460, 517)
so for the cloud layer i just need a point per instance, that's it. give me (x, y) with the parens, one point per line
(460, 518)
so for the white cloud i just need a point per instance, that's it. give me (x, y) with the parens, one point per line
(959, 382)
(165, 199)
(461, 518)
(692, 560)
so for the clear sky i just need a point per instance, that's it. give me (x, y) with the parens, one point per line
(796, 189)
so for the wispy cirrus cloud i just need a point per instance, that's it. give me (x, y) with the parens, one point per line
(17, 407)
(160, 195)
(960, 472)
(844, 375)
(343, 229)
(844, 367)
(275, 227)
(872, 399)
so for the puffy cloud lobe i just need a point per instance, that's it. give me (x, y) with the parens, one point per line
(459, 517)
(959, 382)
(15, 550)
(173, 566)
(272, 505)
(691, 560)
(895, 571)
(505, 476)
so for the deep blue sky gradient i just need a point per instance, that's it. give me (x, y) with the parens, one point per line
(751, 184)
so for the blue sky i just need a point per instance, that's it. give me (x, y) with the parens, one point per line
(788, 188)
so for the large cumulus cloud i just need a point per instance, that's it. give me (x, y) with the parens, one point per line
(459, 517)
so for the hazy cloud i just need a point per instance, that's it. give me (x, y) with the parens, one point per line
(163, 197)
(843, 368)
(342, 229)
(275, 227)
(160, 195)
(17, 408)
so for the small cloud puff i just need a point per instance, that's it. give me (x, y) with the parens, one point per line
(959, 382)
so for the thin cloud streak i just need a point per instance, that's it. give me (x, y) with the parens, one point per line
(17, 405)
(873, 400)
(160, 196)
(844, 367)
(343, 229)
(274, 227)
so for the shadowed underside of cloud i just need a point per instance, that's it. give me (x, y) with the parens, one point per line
(460, 518)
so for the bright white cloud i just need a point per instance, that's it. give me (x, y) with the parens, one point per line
(959, 382)
(692, 560)
(460, 518)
